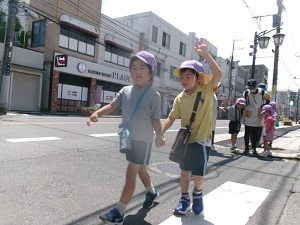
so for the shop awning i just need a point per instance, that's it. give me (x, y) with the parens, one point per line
(118, 42)
(74, 22)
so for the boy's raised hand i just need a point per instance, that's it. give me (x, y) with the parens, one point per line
(201, 48)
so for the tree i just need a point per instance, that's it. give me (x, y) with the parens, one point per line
(18, 27)
(2, 26)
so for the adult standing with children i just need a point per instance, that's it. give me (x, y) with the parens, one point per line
(195, 83)
(252, 118)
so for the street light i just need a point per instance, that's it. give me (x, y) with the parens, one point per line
(263, 42)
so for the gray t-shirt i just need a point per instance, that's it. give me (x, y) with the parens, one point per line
(234, 114)
(149, 108)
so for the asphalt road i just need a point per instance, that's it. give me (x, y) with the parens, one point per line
(76, 172)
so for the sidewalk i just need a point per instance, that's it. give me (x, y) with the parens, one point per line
(286, 145)
(286, 142)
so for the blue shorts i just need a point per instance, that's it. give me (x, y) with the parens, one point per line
(139, 153)
(196, 159)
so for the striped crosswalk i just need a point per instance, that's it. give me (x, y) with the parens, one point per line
(220, 204)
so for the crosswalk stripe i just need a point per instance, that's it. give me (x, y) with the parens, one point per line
(32, 139)
(220, 205)
(116, 134)
(104, 135)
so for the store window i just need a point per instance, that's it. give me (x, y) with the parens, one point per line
(77, 40)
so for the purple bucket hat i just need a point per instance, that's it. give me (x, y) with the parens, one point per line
(146, 57)
(241, 101)
(190, 64)
(267, 108)
(195, 65)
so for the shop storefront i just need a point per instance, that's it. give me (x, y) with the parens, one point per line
(79, 83)
(25, 79)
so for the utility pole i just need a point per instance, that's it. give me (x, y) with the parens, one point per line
(277, 24)
(230, 75)
(6, 64)
(297, 106)
(254, 56)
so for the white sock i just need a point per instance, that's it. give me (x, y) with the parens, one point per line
(150, 189)
(121, 207)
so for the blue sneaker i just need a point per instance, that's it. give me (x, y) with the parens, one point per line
(183, 206)
(149, 201)
(197, 203)
(113, 217)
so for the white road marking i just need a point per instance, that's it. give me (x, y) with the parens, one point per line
(104, 135)
(33, 139)
(116, 134)
(220, 205)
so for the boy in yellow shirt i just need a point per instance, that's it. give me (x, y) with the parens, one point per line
(194, 80)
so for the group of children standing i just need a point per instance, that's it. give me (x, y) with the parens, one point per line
(257, 113)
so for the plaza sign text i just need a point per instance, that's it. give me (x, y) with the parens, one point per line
(114, 75)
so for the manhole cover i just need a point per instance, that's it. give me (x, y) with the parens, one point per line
(172, 169)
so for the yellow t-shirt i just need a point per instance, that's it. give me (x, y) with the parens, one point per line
(201, 128)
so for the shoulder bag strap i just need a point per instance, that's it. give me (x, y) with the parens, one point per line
(195, 108)
(136, 107)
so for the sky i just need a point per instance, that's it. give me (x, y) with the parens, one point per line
(223, 23)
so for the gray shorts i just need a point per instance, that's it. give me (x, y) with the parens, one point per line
(139, 153)
(196, 159)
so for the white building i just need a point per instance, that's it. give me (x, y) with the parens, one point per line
(170, 46)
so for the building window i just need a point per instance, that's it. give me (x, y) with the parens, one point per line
(77, 40)
(158, 68)
(182, 49)
(39, 33)
(172, 77)
(201, 59)
(116, 55)
(166, 40)
(154, 34)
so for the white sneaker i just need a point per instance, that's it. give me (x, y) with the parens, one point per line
(213, 148)
(263, 154)
(267, 153)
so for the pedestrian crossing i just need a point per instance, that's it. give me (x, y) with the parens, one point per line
(36, 139)
(219, 205)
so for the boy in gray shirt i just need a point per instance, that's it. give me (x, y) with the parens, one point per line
(146, 119)
(234, 116)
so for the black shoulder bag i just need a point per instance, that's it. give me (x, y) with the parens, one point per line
(181, 142)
